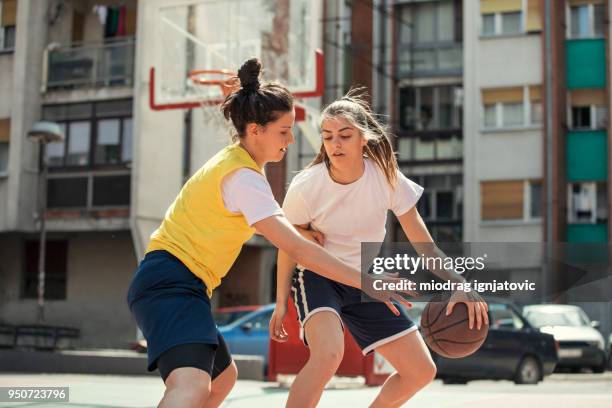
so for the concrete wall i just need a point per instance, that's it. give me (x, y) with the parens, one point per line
(509, 155)
(99, 270)
(471, 125)
(31, 38)
(158, 141)
(509, 61)
(6, 90)
(515, 231)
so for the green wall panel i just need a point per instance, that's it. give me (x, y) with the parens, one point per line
(586, 63)
(587, 156)
(587, 233)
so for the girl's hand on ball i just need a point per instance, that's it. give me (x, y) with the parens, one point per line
(476, 306)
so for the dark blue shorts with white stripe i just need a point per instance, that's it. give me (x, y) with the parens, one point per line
(371, 323)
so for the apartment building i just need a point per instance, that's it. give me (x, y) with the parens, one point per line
(536, 109)
(70, 62)
(84, 65)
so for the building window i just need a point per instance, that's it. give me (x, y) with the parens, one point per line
(7, 38)
(8, 20)
(512, 114)
(90, 191)
(442, 198)
(587, 109)
(581, 117)
(429, 38)
(108, 142)
(56, 261)
(537, 114)
(511, 200)
(587, 203)
(5, 137)
(503, 23)
(433, 146)
(430, 108)
(511, 23)
(79, 136)
(511, 107)
(97, 134)
(510, 17)
(586, 21)
(488, 25)
(111, 191)
(535, 199)
(4, 153)
(67, 192)
(441, 206)
(501, 200)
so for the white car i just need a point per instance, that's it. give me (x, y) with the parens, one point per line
(580, 343)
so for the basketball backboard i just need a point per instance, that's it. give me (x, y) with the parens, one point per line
(220, 35)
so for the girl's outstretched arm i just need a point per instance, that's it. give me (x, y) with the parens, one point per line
(279, 231)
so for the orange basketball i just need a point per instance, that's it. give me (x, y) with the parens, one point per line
(450, 336)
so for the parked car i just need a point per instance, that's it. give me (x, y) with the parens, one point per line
(249, 333)
(580, 343)
(226, 315)
(610, 351)
(513, 350)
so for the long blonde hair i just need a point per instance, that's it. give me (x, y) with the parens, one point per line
(354, 108)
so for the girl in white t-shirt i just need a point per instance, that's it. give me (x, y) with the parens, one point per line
(343, 197)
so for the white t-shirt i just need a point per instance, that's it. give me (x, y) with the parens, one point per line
(247, 192)
(348, 214)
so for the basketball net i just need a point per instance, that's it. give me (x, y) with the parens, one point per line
(203, 83)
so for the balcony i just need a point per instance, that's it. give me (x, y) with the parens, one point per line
(586, 63)
(81, 65)
(89, 191)
(587, 156)
(430, 60)
(587, 232)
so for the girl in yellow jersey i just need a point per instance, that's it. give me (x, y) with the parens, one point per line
(216, 212)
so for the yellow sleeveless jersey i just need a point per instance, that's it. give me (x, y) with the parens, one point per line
(198, 229)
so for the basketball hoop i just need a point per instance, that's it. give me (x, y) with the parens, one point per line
(200, 81)
(227, 85)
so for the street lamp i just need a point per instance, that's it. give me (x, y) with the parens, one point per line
(43, 133)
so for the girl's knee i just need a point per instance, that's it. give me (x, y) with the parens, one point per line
(429, 372)
(328, 358)
(421, 375)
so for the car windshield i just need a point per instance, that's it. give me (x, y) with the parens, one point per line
(570, 318)
(225, 318)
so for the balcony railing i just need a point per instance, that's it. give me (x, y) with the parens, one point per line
(430, 59)
(90, 65)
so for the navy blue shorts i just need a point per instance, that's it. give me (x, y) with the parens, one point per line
(371, 323)
(170, 305)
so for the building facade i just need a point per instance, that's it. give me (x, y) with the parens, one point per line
(500, 109)
(72, 64)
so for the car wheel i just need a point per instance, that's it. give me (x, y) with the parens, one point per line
(601, 367)
(528, 371)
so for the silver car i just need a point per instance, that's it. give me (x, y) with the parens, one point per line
(580, 343)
